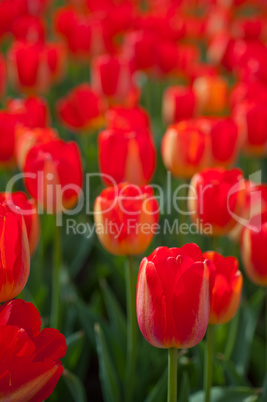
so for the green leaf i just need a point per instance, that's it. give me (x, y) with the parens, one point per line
(239, 394)
(75, 344)
(159, 392)
(185, 388)
(75, 386)
(108, 376)
(234, 377)
(115, 313)
(249, 316)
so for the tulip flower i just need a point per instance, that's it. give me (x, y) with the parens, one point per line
(28, 28)
(8, 124)
(53, 175)
(211, 94)
(26, 138)
(2, 76)
(35, 67)
(225, 142)
(227, 288)
(126, 155)
(216, 198)
(82, 109)
(178, 103)
(174, 288)
(173, 298)
(139, 47)
(125, 118)
(251, 119)
(253, 249)
(185, 149)
(125, 217)
(32, 111)
(28, 210)
(251, 91)
(31, 368)
(14, 252)
(112, 78)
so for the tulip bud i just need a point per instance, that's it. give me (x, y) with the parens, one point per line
(28, 210)
(173, 297)
(185, 149)
(216, 198)
(14, 252)
(178, 103)
(31, 368)
(126, 155)
(254, 249)
(53, 175)
(126, 217)
(211, 94)
(226, 294)
(225, 142)
(82, 109)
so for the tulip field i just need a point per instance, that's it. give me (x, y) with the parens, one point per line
(133, 200)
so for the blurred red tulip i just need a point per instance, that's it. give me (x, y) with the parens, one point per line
(15, 253)
(32, 361)
(82, 109)
(250, 91)
(35, 67)
(216, 198)
(178, 103)
(28, 28)
(185, 149)
(3, 78)
(251, 118)
(8, 122)
(26, 138)
(126, 155)
(28, 210)
(211, 94)
(112, 77)
(227, 288)
(139, 48)
(125, 118)
(254, 249)
(53, 175)
(125, 218)
(173, 298)
(167, 56)
(225, 142)
(32, 111)
(255, 203)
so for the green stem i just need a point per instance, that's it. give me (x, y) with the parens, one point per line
(55, 303)
(172, 375)
(208, 362)
(131, 330)
(232, 333)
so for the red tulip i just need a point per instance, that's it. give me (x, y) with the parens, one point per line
(28, 28)
(173, 296)
(254, 249)
(125, 118)
(255, 204)
(211, 94)
(126, 155)
(33, 111)
(126, 218)
(30, 365)
(185, 149)
(58, 178)
(227, 288)
(139, 48)
(251, 119)
(8, 124)
(15, 254)
(167, 56)
(216, 197)
(225, 142)
(178, 103)
(27, 138)
(82, 109)
(34, 67)
(112, 77)
(251, 91)
(28, 210)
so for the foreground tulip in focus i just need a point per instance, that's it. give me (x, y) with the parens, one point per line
(30, 366)
(14, 252)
